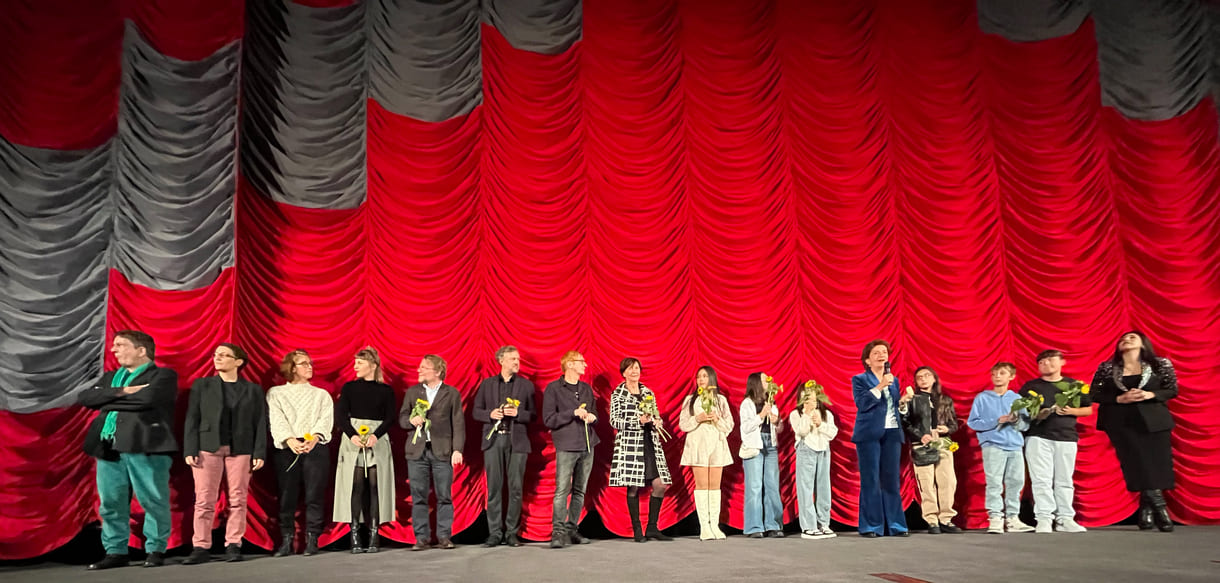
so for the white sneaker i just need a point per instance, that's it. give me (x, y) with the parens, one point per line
(1044, 526)
(811, 534)
(996, 526)
(827, 533)
(1069, 525)
(1014, 524)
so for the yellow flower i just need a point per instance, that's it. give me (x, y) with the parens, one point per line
(1041, 399)
(363, 430)
(1085, 389)
(953, 447)
(308, 437)
(809, 384)
(700, 391)
(423, 402)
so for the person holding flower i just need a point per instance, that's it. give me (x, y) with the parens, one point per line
(639, 459)
(364, 474)
(225, 434)
(1050, 445)
(707, 421)
(1133, 389)
(998, 427)
(436, 432)
(928, 416)
(760, 422)
(505, 405)
(301, 418)
(814, 426)
(567, 410)
(878, 437)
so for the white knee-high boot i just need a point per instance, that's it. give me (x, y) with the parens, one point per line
(701, 500)
(713, 513)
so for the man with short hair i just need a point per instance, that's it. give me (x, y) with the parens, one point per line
(432, 450)
(133, 441)
(505, 405)
(567, 410)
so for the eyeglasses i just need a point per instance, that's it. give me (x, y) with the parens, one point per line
(305, 364)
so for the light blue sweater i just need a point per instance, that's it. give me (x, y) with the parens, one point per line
(987, 408)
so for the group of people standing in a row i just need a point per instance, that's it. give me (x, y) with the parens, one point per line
(228, 419)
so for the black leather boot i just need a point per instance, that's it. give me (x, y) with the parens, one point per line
(356, 548)
(311, 544)
(654, 513)
(1144, 516)
(374, 540)
(285, 544)
(633, 509)
(1160, 514)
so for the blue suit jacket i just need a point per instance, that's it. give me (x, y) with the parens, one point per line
(870, 410)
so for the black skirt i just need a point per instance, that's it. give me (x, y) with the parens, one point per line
(650, 457)
(1145, 458)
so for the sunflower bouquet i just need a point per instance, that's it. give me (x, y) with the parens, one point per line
(648, 406)
(773, 388)
(707, 398)
(813, 390)
(1030, 404)
(1069, 394)
(944, 443)
(421, 410)
(508, 402)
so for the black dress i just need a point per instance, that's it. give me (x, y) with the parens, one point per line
(1140, 431)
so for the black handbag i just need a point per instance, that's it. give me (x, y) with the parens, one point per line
(924, 455)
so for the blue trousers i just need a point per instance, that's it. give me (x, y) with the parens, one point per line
(881, 508)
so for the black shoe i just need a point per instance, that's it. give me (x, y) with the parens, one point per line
(285, 545)
(1160, 514)
(356, 548)
(1144, 516)
(754, 535)
(199, 555)
(869, 534)
(654, 514)
(559, 540)
(418, 546)
(494, 540)
(774, 534)
(512, 540)
(934, 529)
(576, 539)
(950, 528)
(902, 533)
(109, 562)
(311, 544)
(232, 553)
(374, 537)
(444, 544)
(154, 559)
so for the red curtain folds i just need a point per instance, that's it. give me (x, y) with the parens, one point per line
(755, 187)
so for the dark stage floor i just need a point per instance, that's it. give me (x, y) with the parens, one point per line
(1109, 555)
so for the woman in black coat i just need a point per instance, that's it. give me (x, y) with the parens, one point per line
(1132, 389)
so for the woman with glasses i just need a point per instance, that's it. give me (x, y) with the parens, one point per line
(302, 417)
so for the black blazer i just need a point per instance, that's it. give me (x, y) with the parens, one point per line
(1153, 414)
(488, 400)
(145, 422)
(248, 422)
(448, 422)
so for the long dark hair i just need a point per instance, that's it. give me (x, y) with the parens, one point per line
(936, 388)
(755, 391)
(1147, 354)
(711, 382)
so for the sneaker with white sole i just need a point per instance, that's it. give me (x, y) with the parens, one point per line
(1044, 526)
(996, 525)
(1069, 525)
(1014, 524)
(827, 533)
(811, 534)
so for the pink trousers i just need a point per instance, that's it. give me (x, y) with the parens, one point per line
(236, 469)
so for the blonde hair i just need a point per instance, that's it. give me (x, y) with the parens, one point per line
(567, 358)
(369, 354)
(289, 364)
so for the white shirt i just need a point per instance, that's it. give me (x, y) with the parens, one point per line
(816, 439)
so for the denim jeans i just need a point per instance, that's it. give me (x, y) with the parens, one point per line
(572, 470)
(1051, 468)
(1005, 474)
(813, 486)
(435, 473)
(763, 509)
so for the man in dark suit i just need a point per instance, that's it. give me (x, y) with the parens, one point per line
(432, 455)
(506, 445)
(225, 435)
(133, 441)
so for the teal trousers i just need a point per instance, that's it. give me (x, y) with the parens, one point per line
(148, 475)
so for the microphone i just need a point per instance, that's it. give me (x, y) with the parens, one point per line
(887, 367)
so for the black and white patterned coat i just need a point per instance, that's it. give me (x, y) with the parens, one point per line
(627, 465)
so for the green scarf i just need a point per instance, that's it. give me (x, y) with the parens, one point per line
(120, 379)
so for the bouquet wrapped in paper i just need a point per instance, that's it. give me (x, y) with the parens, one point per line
(648, 406)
